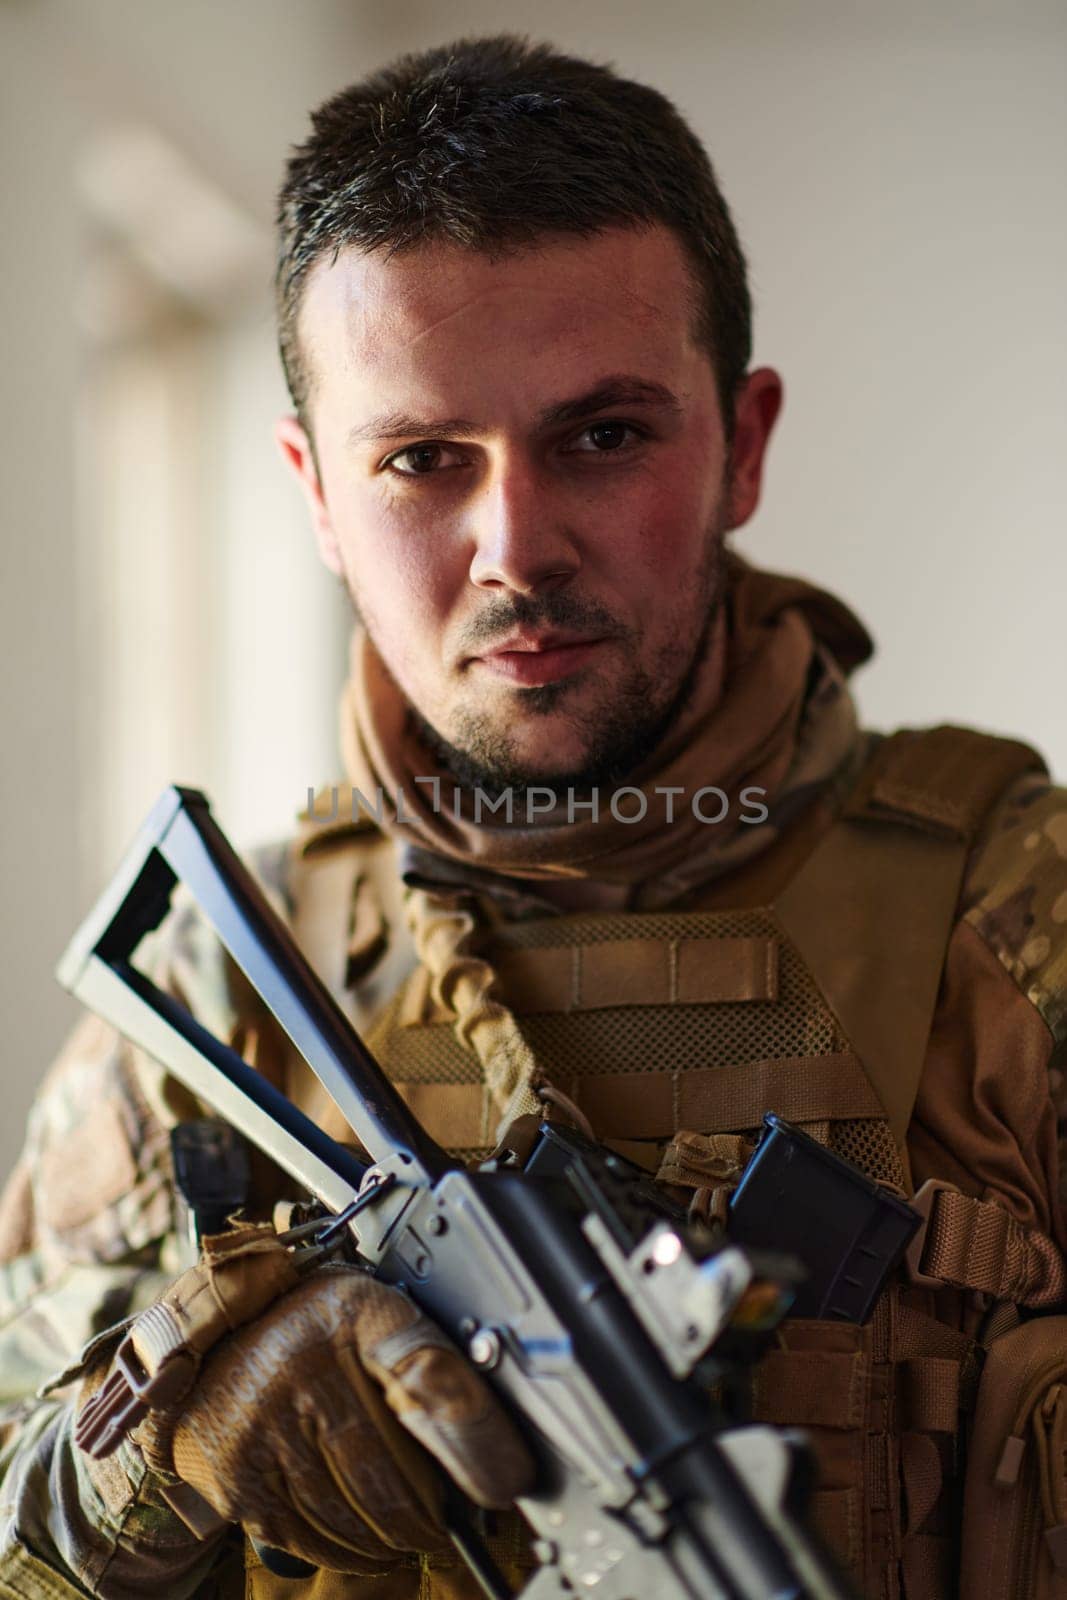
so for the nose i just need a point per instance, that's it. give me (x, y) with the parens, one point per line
(521, 541)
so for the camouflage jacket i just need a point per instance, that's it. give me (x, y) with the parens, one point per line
(87, 1226)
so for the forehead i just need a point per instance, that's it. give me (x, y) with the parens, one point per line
(442, 319)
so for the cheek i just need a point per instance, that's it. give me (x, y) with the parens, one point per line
(668, 541)
(403, 577)
(665, 511)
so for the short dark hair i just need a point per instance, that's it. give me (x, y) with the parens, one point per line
(492, 144)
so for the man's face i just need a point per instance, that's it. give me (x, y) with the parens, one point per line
(523, 480)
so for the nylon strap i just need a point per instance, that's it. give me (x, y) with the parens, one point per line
(928, 1394)
(347, 904)
(323, 916)
(924, 1478)
(639, 972)
(916, 1336)
(978, 1245)
(347, 918)
(655, 1105)
(324, 909)
(813, 1388)
(872, 908)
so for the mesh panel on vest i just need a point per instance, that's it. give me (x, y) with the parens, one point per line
(869, 1145)
(666, 1038)
(671, 1038)
(420, 1054)
(602, 927)
(658, 1038)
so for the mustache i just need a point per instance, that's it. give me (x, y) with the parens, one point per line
(554, 610)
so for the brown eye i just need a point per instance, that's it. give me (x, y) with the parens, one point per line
(605, 438)
(419, 459)
(426, 459)
(608, 435)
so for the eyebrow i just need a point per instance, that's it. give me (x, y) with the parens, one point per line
(621, 389)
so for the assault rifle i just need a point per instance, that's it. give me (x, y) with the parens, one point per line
(592, 1309)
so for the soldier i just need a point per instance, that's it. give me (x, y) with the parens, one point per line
(612, 843)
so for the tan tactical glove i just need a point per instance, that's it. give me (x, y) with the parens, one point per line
(292, 1404)
(300, 1427)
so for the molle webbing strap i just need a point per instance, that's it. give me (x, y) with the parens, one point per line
(346, 917)
(813, 1388)
(339, 927)
(322, 921)
(347, 900)
(645, 972)
(655, 1105)
(723, 1099)
(872, 909)
(928, 1394)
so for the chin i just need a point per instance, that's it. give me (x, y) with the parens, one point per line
(546, 761)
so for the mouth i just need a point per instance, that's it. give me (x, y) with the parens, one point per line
(530, 660)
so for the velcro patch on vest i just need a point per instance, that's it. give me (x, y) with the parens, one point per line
(639, 972)
(812, 1388)
(942, 780)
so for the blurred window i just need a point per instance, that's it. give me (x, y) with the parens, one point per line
(212, 644)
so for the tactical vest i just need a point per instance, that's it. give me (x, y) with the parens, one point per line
(811, 995)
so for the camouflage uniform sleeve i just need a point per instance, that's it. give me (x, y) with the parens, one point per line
(86, 1240)
(1015, 899)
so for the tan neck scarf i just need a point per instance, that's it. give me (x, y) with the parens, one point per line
(769, 711)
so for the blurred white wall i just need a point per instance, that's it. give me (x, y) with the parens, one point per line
(164, 617)
(39, 794)
(897, 175)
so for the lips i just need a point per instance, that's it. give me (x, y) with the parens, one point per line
(529, 660)
(531, 643)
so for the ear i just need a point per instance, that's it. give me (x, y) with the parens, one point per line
(759, 400)
(298, 455)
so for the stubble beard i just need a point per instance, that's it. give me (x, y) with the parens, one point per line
(620, 733)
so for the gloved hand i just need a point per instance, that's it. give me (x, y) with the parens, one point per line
(302, 1425)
